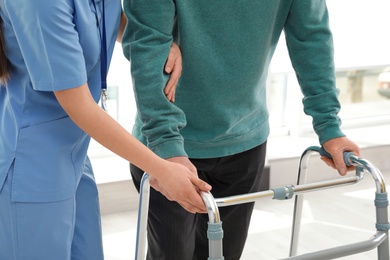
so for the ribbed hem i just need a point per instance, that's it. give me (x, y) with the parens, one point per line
(225, 147)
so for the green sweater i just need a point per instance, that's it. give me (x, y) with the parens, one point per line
(227, 45)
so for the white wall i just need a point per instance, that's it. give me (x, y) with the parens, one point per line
(361, 31)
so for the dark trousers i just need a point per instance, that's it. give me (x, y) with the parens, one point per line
(175, 234)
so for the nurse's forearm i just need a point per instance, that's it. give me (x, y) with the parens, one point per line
(82, 109)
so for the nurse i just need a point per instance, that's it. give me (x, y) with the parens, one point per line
(57, 57)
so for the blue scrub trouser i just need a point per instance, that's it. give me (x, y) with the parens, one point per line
(60, 230)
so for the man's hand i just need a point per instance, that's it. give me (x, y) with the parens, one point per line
(336, 147)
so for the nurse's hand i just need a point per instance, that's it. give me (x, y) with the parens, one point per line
(178, 183)
(173, 66)
(183, 160)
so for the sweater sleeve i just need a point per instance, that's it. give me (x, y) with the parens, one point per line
(310, 44)
(146, 43)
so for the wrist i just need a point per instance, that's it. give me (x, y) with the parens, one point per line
(159, 168)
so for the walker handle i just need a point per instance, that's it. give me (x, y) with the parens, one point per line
(346, 156)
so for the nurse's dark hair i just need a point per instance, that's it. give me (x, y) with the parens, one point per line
(4, 74)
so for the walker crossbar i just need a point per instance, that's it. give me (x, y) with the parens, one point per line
(275, 193)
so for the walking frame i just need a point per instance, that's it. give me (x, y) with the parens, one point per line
(379, 240)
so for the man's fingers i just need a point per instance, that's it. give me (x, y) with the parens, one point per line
(173, 67)
(340, 166)
(170, 63)
(176, 73)
(328, 161)
(170, 89)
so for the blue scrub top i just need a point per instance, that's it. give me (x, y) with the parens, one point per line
(51, 45)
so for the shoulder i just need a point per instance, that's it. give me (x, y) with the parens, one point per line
(40, 10)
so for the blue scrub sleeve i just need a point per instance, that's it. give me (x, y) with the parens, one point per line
(49, 42)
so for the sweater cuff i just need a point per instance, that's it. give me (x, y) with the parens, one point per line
(330, 132)
(170, 149)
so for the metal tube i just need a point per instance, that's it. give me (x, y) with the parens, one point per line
(302, 176)
(383, 248)
(345, 250)
(300, 189)
(375, 173)
(215, 250)
(381, 211)
(215, 245)
(298, 204)
(361, 166)
(214, 232)
(211, 206)
(244, 198)
(143, 209)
